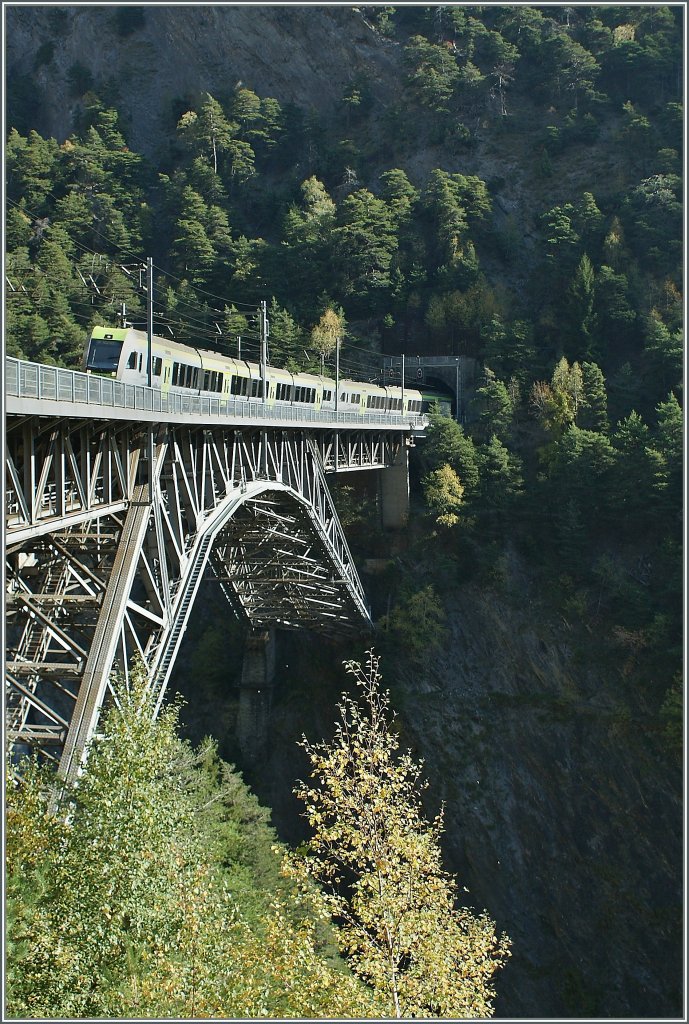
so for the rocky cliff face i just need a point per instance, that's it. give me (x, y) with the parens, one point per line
(303, 55)
(562, 819)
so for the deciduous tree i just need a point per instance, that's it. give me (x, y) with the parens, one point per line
(444, 494)
(378, 858)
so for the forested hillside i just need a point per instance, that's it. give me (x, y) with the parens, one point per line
(501, 182)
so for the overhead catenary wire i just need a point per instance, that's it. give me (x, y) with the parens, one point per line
(183, 322)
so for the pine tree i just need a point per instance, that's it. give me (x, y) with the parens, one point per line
(594, 407)
(432, 73)
(365, 242)
(663, 351)
(495, 410)
(668, 441)
(286, 338)
(447, 444)
(638, 465)
(579, 309)
(500, 481)
(579, 466)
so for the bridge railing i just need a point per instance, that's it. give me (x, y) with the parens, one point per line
(53, 383)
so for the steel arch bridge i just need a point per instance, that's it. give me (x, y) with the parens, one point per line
(119, 498)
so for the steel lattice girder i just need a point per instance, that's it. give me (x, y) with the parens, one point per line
(108, 534)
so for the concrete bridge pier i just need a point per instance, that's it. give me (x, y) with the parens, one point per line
(394, 492)
(256, 693)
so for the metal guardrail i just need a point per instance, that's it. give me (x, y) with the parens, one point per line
(53, 383)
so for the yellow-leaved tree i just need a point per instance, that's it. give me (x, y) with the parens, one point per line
(325, 335)
(378, 859)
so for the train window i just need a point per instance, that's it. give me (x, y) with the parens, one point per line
(218, 382)
(131, 362)
(157, 366)
(140, 362)
(207, 374)
(103, 355)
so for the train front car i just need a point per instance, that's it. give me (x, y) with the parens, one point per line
(103, 350)
(122, 352)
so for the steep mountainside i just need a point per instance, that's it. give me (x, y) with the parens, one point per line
(301, 55)
(496, 182)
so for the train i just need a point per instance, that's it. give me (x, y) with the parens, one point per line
(122, 353)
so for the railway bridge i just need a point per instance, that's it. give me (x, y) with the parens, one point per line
(120, 497)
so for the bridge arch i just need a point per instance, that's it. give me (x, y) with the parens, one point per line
(102, 567)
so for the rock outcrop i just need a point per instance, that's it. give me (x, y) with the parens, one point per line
(302, 55)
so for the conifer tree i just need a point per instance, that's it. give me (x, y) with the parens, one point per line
(494, 406)
(594, 410)
(579, 309)
(208, 132)
(447, 444)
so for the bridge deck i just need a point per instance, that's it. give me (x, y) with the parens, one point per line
(34, 389)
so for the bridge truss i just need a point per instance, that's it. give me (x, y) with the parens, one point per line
(110, 526)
